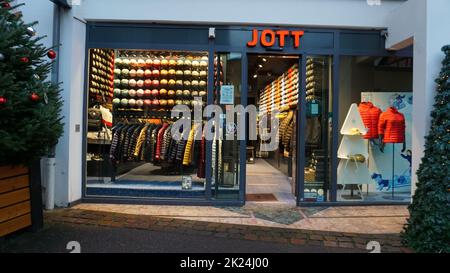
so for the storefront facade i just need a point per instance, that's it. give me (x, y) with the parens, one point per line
(241, 41)
(342, 48)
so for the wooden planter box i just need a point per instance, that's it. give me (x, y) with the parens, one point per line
(20, 198)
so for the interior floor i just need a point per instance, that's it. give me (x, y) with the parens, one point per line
(143, 172)
(148, 177)
(263, 178)
(370, 196)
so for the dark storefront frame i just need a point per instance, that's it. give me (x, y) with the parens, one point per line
(316, 41)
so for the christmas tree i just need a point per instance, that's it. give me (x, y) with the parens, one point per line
(428, 227)
(30, 105)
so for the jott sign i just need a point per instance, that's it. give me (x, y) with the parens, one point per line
(268, 37)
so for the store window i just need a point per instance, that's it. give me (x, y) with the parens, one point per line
(130, 148)
(318, 135)
(375, 104)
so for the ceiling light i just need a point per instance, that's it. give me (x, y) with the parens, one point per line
(255, 76)
(264, 59)
(260, 65)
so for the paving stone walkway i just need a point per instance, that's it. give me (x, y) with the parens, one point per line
(355, 219)
(106, 215)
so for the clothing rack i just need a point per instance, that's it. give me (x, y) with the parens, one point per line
(139, 140)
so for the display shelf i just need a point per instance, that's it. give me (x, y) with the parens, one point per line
(353, 124)
(351, 145)
(281, 94)
(351, 171)
(101, 74)
(151, 79)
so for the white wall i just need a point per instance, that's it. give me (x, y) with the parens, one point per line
(336, 13)
(41, 11)
(428, 24)
(69, 149)
(68, 171)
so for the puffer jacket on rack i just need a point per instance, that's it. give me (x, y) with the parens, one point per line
(283, 126)
(181, 145)
(133, 142)
(146, 147)
(196, 150)
(159, 141)
(172, 153)
(370, 115)
(167, 138)
(202, 158)
(141, 156)
(115, 144)
(140, 142)
(287, 136)
(126, 142)
(187, 157)
(153, 142)
(122, 136)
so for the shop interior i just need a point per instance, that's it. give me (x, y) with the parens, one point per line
(273, 85)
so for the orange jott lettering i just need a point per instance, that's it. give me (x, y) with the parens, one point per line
(254, 40)
(281, 36)
(264, 34)
(297, 34)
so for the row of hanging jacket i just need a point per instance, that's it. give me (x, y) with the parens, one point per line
(154, 143)
(285, 130)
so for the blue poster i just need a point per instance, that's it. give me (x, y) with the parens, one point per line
(381, 163)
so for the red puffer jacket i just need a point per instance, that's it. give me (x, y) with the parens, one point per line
(370, 115)
(392, 126)
(160, 140)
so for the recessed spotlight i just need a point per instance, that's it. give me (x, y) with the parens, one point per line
(260, 65)
(264, 59)
(255, 76)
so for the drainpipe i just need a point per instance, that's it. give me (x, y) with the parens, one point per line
(50, 165)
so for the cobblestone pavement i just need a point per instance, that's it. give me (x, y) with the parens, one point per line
(54, 237)
(354, 219)
(390, 242)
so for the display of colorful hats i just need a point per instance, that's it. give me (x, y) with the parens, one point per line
(157, 80)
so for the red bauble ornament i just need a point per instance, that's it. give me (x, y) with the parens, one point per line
(34, 97)
(3, 100)
(6, 5)
(51, 54)
(24, 60)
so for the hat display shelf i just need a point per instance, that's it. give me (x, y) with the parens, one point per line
(353, 154)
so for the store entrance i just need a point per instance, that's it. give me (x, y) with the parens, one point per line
(272, 85)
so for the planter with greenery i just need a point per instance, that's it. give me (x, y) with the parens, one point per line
(30, 110)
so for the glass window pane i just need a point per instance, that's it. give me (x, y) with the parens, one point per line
(131, 149)
(225, 152)
(318, 135)
(375, 104)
